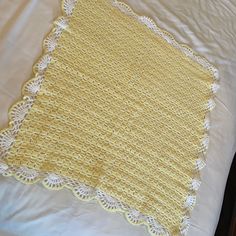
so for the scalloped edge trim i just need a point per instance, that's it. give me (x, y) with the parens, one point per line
(53, 181)
(83, 192)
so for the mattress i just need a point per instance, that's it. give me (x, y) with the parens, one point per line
(207, 27)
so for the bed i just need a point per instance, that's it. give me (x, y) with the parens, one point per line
(206, 26)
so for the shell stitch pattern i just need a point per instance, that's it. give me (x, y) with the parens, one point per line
(83, 192)
(200, 162)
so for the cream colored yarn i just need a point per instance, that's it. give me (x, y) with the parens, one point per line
(120, 107)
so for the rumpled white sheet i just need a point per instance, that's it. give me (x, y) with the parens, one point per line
(206, 26)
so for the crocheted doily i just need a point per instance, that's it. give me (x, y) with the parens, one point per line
(118, 111)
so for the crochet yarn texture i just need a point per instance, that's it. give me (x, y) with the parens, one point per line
(117, 111)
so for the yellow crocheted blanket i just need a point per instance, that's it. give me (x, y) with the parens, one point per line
(117, 111)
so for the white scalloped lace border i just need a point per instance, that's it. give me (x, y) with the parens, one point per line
(53, 181)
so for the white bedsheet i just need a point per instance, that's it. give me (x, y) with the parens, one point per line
(206, 26)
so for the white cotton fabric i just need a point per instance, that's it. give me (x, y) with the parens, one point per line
(206, 26)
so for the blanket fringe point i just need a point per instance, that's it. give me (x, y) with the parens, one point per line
(18, 112)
